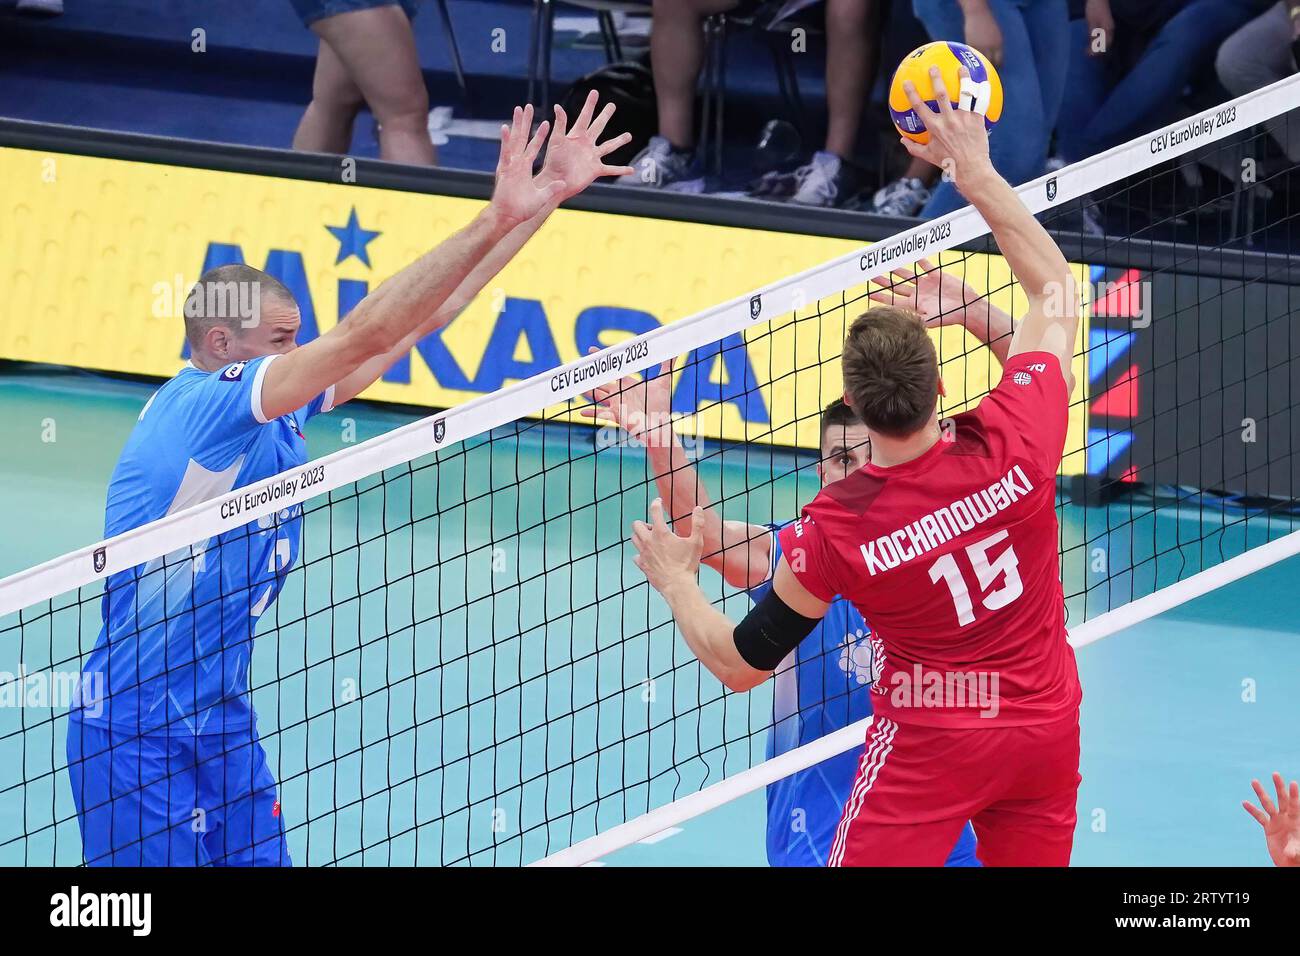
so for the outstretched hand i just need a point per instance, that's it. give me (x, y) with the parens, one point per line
(1281, 821)
(665, 557)
(959, 142)
(938, 297)
(519, 195)
(640, 406)
(574, 157)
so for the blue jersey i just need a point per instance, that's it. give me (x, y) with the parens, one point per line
(822, 686)
(173, 652)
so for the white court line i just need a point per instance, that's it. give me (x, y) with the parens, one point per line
(846, 738)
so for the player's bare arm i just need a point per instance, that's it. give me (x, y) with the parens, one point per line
(575, 158)
(408, 303)
(942, 298)
(741, 656)
(739, 551)
(959, 144)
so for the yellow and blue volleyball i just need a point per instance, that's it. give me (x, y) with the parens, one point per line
(984, 91)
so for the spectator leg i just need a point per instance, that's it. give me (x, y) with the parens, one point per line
(1047, 22)
(852, 49)
(377, 49)
(1088, 83)
(676, 57)
(1259, 54)
(326, 125)
(1148, 96)
(1018, 144)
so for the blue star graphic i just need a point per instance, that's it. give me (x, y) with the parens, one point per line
(353, 239)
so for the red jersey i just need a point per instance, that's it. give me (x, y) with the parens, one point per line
(952, 558)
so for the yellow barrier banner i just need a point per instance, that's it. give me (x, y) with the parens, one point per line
(100, 253)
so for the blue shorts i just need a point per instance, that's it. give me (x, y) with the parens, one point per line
(157, 800)
(309, 11)
(963, 854)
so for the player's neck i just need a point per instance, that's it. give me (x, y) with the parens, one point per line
(887, 451)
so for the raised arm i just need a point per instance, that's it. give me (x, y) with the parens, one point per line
(495, 259)
(942, 298)
(574, 159)
(959, 143)
(403, 303)
(739, 551)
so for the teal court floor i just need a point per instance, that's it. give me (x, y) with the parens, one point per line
(449, 678)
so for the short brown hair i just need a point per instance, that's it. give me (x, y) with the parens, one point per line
(226, 296)
(891, 371)
(837, 413)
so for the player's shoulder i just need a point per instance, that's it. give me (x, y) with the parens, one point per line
(1027, 374)
(191, 377)
(242, 371)
(849, 497)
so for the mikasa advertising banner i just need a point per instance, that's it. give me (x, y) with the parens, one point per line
(98, 255)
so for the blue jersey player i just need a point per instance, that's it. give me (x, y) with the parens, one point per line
(163, 755)
(824, 684)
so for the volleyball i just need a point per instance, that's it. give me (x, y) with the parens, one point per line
(982, 93)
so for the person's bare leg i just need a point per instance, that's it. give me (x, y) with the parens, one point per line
(377, 48)
(677, 56)
(326, 126)
(928, 173)
(851, 53)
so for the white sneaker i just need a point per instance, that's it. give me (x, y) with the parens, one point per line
(819, 181)
(902, 197)
(661, 166)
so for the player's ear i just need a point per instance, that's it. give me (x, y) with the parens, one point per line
(943, 391)
(848, 399)
(217, 340)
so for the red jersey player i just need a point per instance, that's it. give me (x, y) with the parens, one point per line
(947, 543)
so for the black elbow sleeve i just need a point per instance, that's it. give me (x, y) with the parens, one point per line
(770, 631)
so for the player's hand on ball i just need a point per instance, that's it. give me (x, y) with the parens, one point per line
(1281, 821)
(664, 557)
(959, 142)
(573, 155)
(640, 406)
(519, 195)
(938, 297)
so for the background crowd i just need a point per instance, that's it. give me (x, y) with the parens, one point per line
(1081, 76)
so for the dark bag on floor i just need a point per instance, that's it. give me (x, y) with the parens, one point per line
(630, 87)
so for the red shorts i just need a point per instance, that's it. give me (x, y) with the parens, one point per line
(917, 786)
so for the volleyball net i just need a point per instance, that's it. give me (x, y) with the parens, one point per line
(463, 666)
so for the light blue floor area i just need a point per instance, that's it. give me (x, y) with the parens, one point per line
(467, 668)
(1180, 712)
